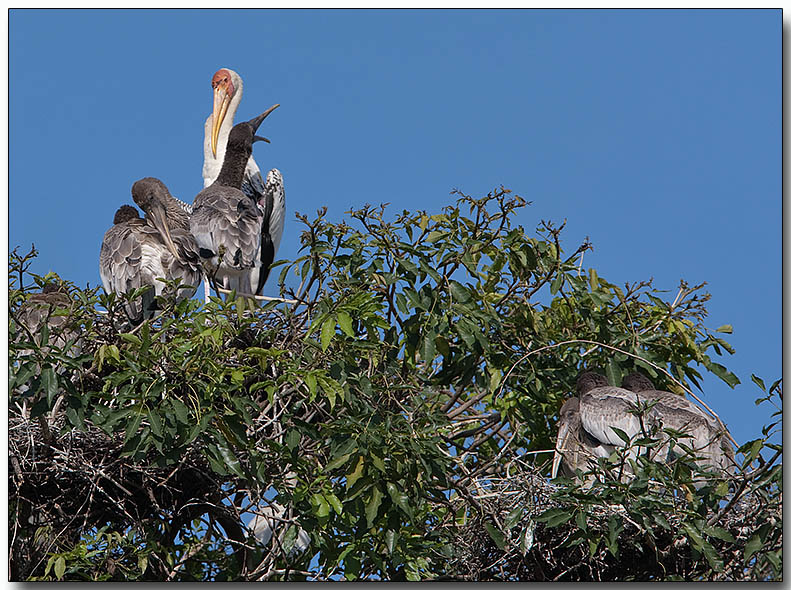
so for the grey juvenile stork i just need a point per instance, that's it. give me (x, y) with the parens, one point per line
(166, 214)
(130, 259)
(706, 436)
(586, 427)
(136, 252)
(575, 448)
(225, 221)
(270, 196)
(50, 308)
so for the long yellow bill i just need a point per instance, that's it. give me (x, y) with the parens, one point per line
(221, 102)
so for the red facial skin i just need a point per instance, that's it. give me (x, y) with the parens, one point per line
(222, 78)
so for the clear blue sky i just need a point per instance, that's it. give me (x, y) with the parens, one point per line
(655, 132)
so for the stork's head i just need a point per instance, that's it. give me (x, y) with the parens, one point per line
(150, 194)
(125, 213)
(588, 380)
(637, 382)
(242, 136)
(226, 84)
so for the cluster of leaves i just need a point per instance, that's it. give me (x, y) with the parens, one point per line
(419, 356)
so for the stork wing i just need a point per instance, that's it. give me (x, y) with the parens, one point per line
(273, 203)
(605, 408)
(124, 266)
(226, 218)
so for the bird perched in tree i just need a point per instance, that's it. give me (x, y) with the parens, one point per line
(165, 213)
(50, 307)
(225, 221)
(269, 195)
(707, 437)
(587, 423)
(271, 518)
(575, 448)
(138, 252)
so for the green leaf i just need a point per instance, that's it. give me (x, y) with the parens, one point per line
(49, 383)
(556, 284)
(132, 339)
(156, 423)
(497, 536)
(356, 473)
(621, 434)
(327, 332)
(724, 374)
(180, 410)
(345, 322)
(399, 498)
(513, 517)
(372, 505)
(231, 461)
(391, 538)
(754, 544)
(292, 439)
(759, 382)
(555, 516)
(320, 504)
(334, 502)
(719, 533)
(60, 567)
(337, 462)
(726, 329)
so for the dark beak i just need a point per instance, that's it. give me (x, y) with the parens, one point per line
(259, 119)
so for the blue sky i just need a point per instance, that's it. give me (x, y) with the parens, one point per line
(657, 133)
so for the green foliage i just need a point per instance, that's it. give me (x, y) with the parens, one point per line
(419, 356)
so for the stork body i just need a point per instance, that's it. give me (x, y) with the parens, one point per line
(269, 196)
(168, 216)
(227, 223)
(587, 422)
(50, 308)
(131, 257)
(575, 448)
(707, 437)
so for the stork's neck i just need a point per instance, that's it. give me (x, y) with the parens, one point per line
(232, 171)
(211, 163)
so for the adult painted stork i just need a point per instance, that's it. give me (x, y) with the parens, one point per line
(227, 223)
(707, 437)
(269, 195)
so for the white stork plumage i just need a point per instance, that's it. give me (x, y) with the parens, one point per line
(269, 195)
(272, 518)
(227, 223)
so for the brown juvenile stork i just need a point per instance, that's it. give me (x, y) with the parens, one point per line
(227, 223)
(269, 195)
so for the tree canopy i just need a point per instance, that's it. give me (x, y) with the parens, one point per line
(400, 404)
